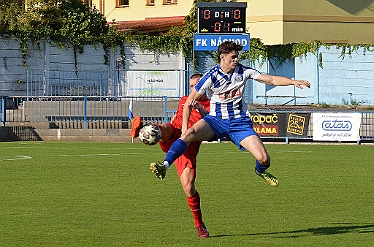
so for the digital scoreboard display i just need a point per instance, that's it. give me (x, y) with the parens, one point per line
(225, 17)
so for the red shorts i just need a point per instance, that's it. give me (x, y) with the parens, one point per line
(188, 158)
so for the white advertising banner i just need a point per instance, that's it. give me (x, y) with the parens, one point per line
(153, 83)
(336, 126)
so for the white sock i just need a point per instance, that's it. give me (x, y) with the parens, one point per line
(166, 164)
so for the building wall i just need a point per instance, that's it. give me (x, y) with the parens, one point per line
(330, 21)
(293, 21)
(139, 10)
(274, 21)
(346, 81)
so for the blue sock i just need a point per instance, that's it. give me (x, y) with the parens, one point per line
(260, 168)
(175, 151)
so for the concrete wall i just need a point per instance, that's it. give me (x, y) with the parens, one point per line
(351, 79)
(13, 73)
(42, 133)
(342, 80)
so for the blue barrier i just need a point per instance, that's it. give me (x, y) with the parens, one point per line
(3, 111)
(100, 109)
(88, 109)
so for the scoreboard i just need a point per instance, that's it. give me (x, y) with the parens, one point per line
(221, 17)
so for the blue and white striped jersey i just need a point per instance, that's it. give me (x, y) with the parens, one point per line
(227, 100)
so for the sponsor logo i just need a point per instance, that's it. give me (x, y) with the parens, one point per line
(268, 130)
(296, 124)
(337, 125)
(231, 94)
(238, 78)
(267, 119)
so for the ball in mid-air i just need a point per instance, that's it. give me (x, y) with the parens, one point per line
(150, 134)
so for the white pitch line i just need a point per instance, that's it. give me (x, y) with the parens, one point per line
(83, 155)
(22, 157)
(227, 152)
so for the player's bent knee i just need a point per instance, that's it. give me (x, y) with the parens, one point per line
(189, 136)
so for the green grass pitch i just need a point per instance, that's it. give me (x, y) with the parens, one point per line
(103, 194)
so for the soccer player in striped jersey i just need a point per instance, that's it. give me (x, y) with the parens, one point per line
(228, 116)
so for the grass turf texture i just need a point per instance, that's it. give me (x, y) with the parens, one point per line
(103, 194)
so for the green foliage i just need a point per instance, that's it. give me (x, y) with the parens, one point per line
(68, 22)
(260, 52)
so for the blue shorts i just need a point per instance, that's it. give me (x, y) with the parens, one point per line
(235, 129)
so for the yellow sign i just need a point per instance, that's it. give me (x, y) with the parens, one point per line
(296, 124)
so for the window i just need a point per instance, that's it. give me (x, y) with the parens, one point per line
(150, 2)
(88, 2)
(122, 3)
(170, 2)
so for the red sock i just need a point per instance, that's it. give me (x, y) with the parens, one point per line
(194, 204)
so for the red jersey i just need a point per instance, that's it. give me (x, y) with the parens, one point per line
(195, 114)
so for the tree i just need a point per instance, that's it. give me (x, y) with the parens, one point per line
(66, 22)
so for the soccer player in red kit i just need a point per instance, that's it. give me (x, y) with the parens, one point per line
(185, 164)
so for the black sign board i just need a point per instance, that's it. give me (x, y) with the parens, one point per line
(225, 17)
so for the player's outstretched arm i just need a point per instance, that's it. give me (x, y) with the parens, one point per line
(282, 81)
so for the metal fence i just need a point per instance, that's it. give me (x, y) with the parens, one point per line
(98, 111)
(94, 99)
(65, 111)
(75, 83)
(112, 82)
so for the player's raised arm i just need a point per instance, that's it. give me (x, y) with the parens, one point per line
(281, 81)
(188, 105)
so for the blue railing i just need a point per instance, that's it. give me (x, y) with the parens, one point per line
(3, 111)
(83, 111)
(86, 109)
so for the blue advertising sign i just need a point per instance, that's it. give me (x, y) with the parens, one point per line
(210, 42)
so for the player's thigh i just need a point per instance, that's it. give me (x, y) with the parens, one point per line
(187, 160)
(254, 145)
(167, 132)
(200, 131)
(166, 142)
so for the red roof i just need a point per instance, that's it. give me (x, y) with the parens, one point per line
(150, 25)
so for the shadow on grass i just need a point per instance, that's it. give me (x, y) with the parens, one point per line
(341, 229)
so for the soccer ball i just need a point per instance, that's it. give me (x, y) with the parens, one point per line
(150, 134)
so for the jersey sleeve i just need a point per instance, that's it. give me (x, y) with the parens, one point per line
(251, 73)
(205, 83)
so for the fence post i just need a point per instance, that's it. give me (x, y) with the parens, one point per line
(85, 112)
(165, 109)
(287, 140)
(3, 111)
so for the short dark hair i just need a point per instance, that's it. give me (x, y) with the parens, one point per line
(196, 75)
(228, 46)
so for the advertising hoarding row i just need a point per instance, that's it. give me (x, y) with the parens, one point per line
(280, 124)
(326, 126)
